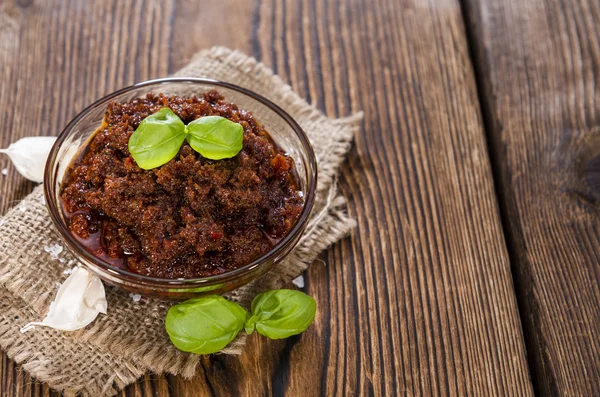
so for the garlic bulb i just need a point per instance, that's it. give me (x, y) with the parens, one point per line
(29, 156)
(77, 303)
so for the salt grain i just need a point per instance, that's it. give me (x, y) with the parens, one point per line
(299, 281)
(69, 271)
(54, 250)
(22, 208)
(5, 171)
(135, 297)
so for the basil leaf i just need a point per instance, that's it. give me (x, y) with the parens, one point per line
(281, 313)
(157, 139)
(204, 325)
(215, 137)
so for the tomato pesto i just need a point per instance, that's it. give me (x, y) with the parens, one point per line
(191, 217)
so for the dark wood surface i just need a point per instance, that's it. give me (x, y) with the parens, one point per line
(420, 299)
(538, 68)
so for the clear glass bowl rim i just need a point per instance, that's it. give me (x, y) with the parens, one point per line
(187, 282)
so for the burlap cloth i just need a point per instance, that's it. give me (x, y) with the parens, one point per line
(119, 347)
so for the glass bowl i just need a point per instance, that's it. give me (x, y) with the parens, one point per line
(282, 128)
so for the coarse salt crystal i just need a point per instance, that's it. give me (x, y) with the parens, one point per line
(135, 297)
(22, 208)
(299, 281)
(5, 171)
(69, 271)
(54, 250)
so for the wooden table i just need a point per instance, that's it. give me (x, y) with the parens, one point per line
(475, 181)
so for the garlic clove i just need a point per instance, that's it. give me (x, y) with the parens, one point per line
(29, 156)
(94, 296)
(77, 303)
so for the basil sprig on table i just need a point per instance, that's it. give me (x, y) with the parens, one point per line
(281, 313)
(206, 325)
(159, 137)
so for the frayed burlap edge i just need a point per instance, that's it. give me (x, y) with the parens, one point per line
(38, 357)
(114, 356)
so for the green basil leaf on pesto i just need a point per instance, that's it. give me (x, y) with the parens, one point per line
(281, 313)
(204, 325)
(215, 137)
(157, 139)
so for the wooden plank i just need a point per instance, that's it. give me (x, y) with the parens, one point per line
(539, 62)
(58, 57)
(419, 299)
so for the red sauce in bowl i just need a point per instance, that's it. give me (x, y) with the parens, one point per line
(192, 217)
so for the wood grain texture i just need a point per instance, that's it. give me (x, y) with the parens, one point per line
(539, 64)
(419, 300)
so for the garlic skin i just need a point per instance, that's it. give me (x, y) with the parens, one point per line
(29, 156)
(78, 302)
